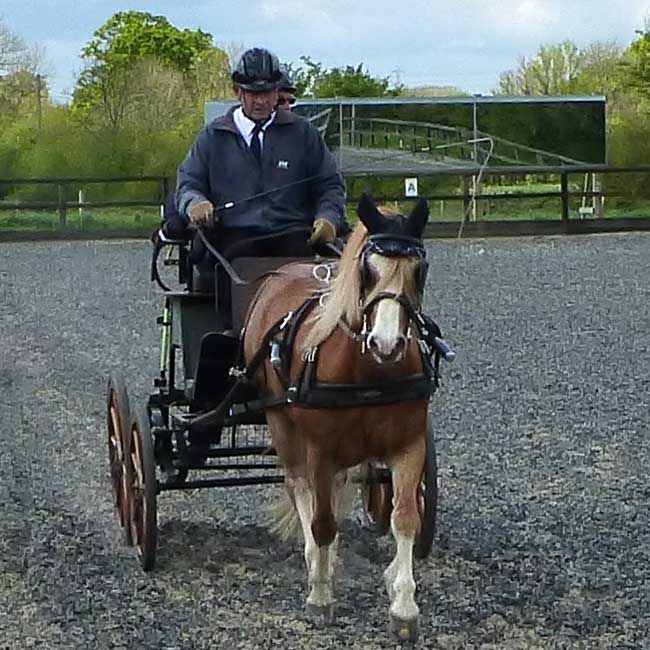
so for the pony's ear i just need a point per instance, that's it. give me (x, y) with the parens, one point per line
(418, 218)
(371, 218)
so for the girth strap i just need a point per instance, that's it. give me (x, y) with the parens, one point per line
(322, 395)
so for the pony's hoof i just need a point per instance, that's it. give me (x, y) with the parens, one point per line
(322, 614)
(402, 630)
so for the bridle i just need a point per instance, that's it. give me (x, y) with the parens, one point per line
(388, 245)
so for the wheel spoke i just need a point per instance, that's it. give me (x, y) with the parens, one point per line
(142, 491)
(118, 414)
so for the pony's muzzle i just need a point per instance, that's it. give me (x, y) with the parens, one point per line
(387, 349)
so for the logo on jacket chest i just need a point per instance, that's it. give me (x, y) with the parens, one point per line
(283, 164)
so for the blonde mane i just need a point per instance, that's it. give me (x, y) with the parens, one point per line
(342, 302)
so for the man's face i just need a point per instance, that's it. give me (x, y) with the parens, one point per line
(285, 100)
(257, 106)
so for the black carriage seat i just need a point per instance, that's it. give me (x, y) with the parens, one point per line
(208, 333)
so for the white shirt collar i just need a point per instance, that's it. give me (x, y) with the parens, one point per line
(245, 126)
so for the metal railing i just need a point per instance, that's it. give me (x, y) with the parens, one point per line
(440, 141)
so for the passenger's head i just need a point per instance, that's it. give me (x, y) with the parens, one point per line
(286, 91)
(255, 79)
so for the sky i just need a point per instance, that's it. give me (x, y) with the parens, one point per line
(466, 44)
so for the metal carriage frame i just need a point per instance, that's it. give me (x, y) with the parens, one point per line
(152, 449)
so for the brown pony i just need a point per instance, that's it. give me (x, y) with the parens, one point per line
(361, 329)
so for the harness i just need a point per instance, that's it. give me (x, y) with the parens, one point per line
(305, 390)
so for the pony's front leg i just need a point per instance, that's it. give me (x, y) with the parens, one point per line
(319, 559)
(405, 522)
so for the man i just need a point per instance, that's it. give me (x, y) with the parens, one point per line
(286, 91)
(256, 171)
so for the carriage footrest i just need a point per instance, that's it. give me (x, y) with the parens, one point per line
(217, 354)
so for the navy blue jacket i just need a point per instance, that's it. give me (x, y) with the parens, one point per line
(221, 168)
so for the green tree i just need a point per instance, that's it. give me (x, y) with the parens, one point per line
(552, 71)
(19, 82)
(312, 80)
(18, 95)
(635, 67)
(600, 72)
(565, 69)
(107, 87)
(15, 54)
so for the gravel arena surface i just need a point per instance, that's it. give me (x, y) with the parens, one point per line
(543, 531)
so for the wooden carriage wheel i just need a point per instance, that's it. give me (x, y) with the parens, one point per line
(118, 418)
(377, 498)
(428, 496)
(142, 489)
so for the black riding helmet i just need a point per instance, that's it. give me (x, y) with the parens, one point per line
(285, 82)
(257, 69)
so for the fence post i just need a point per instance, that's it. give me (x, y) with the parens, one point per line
(598, 200)
(466, 199)
(62, 206)
(81, 199)
(564, 191)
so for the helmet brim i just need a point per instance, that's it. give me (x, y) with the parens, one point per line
(259, 86)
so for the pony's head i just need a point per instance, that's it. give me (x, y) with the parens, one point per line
(392, 272)
(379, 283)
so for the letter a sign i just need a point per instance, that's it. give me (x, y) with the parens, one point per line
(411, 186)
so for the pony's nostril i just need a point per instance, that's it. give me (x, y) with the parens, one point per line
(386, 347)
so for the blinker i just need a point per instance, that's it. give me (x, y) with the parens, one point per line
(395, 246)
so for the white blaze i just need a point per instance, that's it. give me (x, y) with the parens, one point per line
(386, 331)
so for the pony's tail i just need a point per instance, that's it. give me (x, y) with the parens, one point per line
(284, 521)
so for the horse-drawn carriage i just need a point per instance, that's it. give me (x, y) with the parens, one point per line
(252, 354)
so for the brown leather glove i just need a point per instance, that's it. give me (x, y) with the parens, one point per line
(323, 232)
(201, 214)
